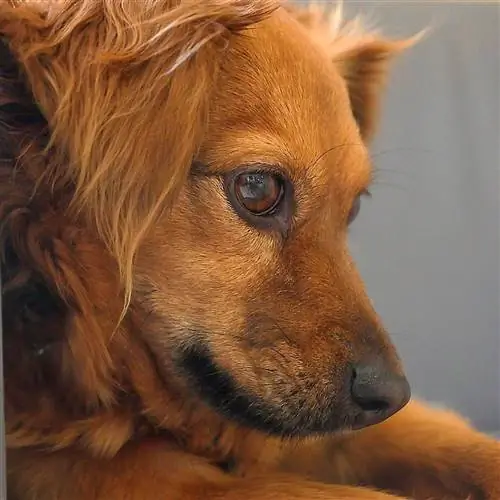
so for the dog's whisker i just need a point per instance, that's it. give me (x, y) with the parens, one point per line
(402, 149)
(376, 184)
(333, 148)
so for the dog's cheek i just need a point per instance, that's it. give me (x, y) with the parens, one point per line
(201, 265)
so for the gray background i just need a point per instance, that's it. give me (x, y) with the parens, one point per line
(427, 243)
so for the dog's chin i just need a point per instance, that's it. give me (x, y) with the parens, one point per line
(219, 390)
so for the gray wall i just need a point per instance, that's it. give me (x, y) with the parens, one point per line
(428, 242)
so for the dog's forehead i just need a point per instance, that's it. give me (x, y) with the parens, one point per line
(281, 100)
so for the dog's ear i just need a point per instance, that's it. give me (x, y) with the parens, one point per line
(362, 57)
(124, 87)
(54, 277)
(364, 63)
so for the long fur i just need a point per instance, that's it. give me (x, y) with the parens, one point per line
(65, 152)
(109, 269)
(173, 52)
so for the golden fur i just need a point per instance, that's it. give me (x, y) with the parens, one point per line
(126, 269)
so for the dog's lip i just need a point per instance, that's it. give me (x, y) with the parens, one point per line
(360, 422)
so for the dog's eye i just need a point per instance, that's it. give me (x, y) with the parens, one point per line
(259, 193)
(355, 208)
(262, 196)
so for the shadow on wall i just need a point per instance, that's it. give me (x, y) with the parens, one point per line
(428, 242)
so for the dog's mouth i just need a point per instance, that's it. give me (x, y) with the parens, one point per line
(297, 418)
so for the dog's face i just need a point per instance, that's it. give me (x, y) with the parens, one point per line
(245, 291)
(253, 294)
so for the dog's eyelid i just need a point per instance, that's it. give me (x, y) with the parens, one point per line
(198, 168)
(362, 193)
(264, 168)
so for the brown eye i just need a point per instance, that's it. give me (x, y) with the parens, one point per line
(355, 208)
(258, 192)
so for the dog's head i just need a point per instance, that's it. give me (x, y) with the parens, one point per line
(218, 151)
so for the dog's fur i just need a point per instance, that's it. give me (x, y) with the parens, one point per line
(156, 344)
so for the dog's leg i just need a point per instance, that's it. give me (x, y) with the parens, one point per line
(151, 471)
(420, 452)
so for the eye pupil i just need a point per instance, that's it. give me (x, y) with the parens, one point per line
(258, 192)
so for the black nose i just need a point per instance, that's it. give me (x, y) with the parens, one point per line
(378, 393)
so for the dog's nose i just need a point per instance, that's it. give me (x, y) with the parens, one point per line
(378, 392)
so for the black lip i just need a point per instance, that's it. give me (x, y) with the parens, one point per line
(220, 391)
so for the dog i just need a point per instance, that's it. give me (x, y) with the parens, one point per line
(182, 318)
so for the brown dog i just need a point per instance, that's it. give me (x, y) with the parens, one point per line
(182, 318)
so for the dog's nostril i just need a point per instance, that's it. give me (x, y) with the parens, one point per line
(378, 393)
(373, 405)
